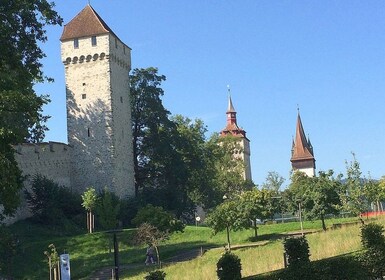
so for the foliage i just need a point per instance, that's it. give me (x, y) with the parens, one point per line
(229, 267)
(147, 116)
(11, 180)
(353, 194)
(108, 210)
(373, 256)
(252, 205)
(297, 251)
(52, 261)
(230, 167)
(171, 160)
(151, 235)
(90, 199)
(155, 275)
(273, 182)
(22, 30)
(319, 196)
(8, 249)
(128, 209)
(50, 203)
(159, 218)
(224, 216)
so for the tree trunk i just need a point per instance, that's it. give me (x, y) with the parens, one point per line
(323, 222)
(255, 229)
(228, 238)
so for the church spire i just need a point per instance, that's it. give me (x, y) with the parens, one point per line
(231, 113)
(302, 157)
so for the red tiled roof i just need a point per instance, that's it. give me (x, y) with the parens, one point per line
(84, 24)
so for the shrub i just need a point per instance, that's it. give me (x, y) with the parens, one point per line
(229, 267)
(108, 210)
(155, 275)
(373, 256)
(297, 251)
(159, 218)
(50, 203)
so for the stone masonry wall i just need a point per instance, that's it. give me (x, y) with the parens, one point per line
(51, 159)
(98, 114)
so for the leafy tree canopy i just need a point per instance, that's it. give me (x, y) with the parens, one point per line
(22, 28)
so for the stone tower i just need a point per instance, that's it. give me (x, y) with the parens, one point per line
(233, 129)
(302, 155)
(97, 64)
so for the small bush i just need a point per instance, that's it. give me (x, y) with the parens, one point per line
(229, 267)
(373, 256)
(297, 252)
(155, 275)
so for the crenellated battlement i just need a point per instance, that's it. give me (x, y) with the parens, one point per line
(51, 159)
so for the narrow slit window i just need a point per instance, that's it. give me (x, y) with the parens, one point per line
(88, 132)
(116, 43)
(76, 43)
(121, 99)
(93, 41)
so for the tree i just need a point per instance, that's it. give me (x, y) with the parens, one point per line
(224, 217)
(90, 200)
(353, 193)
(22, 28)
(151, 235)
(318, 196)
(147, 115)
(229, 166)
(273, 182)
(252, 206)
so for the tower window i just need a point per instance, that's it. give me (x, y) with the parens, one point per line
(93, 41)
(76, 43)
(124, 49)
(84, 96)
(116, 43)
(121, 99)
(88, 132)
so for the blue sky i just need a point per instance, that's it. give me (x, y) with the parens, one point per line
(327, 57)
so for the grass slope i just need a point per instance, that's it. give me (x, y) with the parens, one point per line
(90, 252)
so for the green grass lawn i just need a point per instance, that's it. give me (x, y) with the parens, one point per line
(90, 252)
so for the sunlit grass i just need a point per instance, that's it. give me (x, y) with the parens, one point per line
(264, 258)
(91, 252)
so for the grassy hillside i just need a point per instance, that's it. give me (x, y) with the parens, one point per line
(90, 252)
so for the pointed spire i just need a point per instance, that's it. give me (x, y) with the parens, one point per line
(230, 107)
(302, 149)
(232, 127)
(302, 156)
